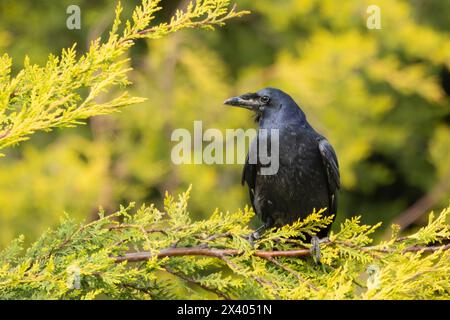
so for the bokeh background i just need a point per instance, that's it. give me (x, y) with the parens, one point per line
(380, 96)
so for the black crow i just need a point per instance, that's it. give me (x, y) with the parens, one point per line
(308, 173)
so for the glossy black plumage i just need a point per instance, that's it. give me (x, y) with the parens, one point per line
(308, 174)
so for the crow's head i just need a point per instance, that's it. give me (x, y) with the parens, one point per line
(267, 102)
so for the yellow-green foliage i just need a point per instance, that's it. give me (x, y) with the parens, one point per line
(357, 80)
(375, 94)
(79, 261)
(64, 91)
(68, 89)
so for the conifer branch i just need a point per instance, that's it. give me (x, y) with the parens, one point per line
(290, 270)
(197, 283)
(219, 253)
(40, 98)
(123, 255)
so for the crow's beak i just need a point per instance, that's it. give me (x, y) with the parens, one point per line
(248, 101)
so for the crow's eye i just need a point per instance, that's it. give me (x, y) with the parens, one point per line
(265, 99)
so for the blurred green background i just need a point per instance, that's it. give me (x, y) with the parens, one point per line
(380, 96)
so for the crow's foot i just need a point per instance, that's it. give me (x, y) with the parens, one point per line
(256, 235)
(252, 237)
(315, 248)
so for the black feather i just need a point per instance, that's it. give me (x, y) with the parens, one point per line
(308, 177)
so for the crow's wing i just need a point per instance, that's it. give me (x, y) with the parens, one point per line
(249, 173)
(331, 165)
